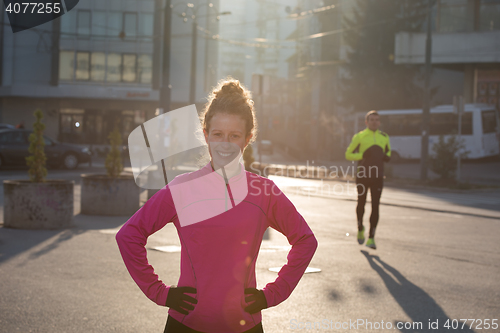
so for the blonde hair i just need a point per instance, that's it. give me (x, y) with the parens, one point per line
(231, 97)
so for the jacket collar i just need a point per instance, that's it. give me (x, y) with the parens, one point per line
(209, 169)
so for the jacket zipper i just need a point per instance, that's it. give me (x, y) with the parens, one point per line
(228, 192)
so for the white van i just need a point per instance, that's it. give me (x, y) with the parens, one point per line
(480, 128)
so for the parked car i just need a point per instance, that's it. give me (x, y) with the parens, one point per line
(14, 146)
(7, 126)
(265, 147)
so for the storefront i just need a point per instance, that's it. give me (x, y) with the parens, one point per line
(92, 126)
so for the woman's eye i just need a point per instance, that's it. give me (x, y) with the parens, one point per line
(236, 136)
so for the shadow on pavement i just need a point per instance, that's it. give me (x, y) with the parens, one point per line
(17, 241)
(415, 302)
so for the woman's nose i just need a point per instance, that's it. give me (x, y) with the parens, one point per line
(226, 144)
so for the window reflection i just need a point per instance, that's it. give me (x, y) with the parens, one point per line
(66, 65)
(83, 23)
(130, 24)
(114, 24)
(145, 68)
(129, 72)
(113, 68)
(82, 65)
(98, 66)
(99, 24)
(489, 16)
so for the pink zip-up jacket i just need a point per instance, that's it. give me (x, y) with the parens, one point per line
(218, 254)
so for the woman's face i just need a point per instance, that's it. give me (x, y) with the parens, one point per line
(226, 138)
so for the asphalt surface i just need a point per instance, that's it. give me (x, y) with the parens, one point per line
(439, 262)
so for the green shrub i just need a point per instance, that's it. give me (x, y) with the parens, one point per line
(444, 160)
(37, 160)
(114, 161)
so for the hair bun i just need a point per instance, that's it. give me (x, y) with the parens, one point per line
(231, 88)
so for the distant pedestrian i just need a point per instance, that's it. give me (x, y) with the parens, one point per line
(20, 125)
(221, 213)
(371, 148)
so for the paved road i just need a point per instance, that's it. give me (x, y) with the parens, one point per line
(474, 172)
(429, 265)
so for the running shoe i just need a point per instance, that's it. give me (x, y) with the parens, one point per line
(371, 243)
(361, 236)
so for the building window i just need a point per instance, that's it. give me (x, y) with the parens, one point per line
(130, 24)
(113, 68)
(98, 63)
(83, 23)
(129, 68)
(146, 25)
(66, 65)
(98, 24)
(145, 68)
(453, 16)
(100, 67)
(82, 66)
(489, 16)
(68, 24)
(114, 26)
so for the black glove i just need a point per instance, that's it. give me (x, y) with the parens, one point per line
(178, 300)
(257, 297)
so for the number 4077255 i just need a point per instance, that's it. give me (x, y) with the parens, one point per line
(474, 323)
(33, 8)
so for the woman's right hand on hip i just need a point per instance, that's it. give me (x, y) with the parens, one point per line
(179, 301)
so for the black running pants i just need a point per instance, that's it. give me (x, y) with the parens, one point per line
(174, 326)
(375, 186)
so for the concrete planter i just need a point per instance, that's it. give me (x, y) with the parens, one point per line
(47, 205)
(102, 195)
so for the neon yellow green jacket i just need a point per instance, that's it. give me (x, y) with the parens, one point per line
(369, 148)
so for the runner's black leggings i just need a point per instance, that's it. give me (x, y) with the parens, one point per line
(375, 185)
(174, 326)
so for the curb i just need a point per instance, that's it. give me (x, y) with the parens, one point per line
(406, 206)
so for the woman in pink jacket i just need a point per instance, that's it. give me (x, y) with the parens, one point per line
(221, 213)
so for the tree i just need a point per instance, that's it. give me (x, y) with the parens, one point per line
(36, 161)
(372, 79)
(444, 160)
(113, 161)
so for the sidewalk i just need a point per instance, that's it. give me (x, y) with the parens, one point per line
(470, 203)
(474, 172)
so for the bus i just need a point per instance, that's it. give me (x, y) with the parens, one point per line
(480, 129)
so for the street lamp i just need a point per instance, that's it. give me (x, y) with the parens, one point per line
(194, 11)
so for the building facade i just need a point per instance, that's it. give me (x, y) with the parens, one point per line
(466, 39)
(98, 66)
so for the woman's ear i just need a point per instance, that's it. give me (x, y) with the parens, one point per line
(206, 135)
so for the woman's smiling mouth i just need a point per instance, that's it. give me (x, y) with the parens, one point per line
(224, 154)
